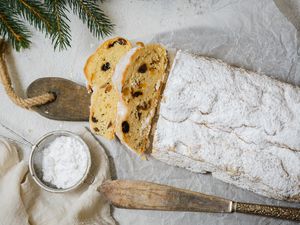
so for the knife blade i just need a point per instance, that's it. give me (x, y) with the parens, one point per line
(132, 194)
(146, 195)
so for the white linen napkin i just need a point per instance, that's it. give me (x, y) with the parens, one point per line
(22, 201)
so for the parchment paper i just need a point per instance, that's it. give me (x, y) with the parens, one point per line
(252, 34)
(260, 35)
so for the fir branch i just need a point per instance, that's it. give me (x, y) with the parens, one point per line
(60, 35)
(12, 28)
(35, 12)
(89, 12)
(50, 16)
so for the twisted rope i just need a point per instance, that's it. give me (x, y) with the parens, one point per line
(26, 103)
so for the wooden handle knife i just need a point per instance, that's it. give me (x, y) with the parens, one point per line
(150, 196)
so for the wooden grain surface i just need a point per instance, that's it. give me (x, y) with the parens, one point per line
(71, 103)
(146, 195)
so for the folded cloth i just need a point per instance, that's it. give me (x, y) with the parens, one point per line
(22, 201)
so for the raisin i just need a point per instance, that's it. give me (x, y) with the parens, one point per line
(96, 129)
(122, 41)
(125, 127)
(112, 44)
(139, 115)
(94, 119)
(137, 94)
(109, 124)
(144, 106)
(142, 68)
(141, 107)
(105, 66)
(108, 88)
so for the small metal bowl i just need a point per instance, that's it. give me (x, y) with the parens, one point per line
(35, 160)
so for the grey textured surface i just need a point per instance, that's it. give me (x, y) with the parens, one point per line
(253, 34)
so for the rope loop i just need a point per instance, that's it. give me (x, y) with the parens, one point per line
(26, 103)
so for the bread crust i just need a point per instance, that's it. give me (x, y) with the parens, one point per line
(90, 59)
(240, 126)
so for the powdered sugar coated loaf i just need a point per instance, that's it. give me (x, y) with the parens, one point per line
(241, 126)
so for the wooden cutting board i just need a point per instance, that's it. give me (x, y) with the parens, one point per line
(71, 103)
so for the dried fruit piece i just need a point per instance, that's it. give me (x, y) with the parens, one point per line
(125, 127)
(125, 91)
(137, 94)
(139, 115)
(108, 88)
(142, 68)
(144, 106)
(120, 41)
(94, 119)
(105, 66)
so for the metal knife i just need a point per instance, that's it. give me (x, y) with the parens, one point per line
(150, 196)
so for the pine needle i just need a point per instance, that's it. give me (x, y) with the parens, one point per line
(89, 12)
(12, 28)
(50, 17)
(34, 12)
(61, 37)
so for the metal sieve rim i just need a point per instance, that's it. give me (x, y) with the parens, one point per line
(35, 147)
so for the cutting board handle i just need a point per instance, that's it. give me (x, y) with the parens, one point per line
(71, 103)
(145, 195)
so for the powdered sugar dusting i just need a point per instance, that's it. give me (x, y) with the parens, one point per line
(120, 67)
(64, 162)
(241, 126)
(146, 123)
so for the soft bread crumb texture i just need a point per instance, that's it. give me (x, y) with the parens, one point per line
(141, 89)
(98, 71)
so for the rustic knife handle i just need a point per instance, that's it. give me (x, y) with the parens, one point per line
(267, 210)
(151, 196)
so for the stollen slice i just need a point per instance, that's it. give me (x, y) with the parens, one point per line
(98, 71)
(139, 78)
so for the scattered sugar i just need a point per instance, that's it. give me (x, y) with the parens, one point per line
(147, 121)
(64, 162)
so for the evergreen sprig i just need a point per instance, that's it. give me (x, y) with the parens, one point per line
(61, 38)
(49, 17)
(12, 28)
(94, 17)
(34, 12)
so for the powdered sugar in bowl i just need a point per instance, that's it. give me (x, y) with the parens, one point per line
(59, 161)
